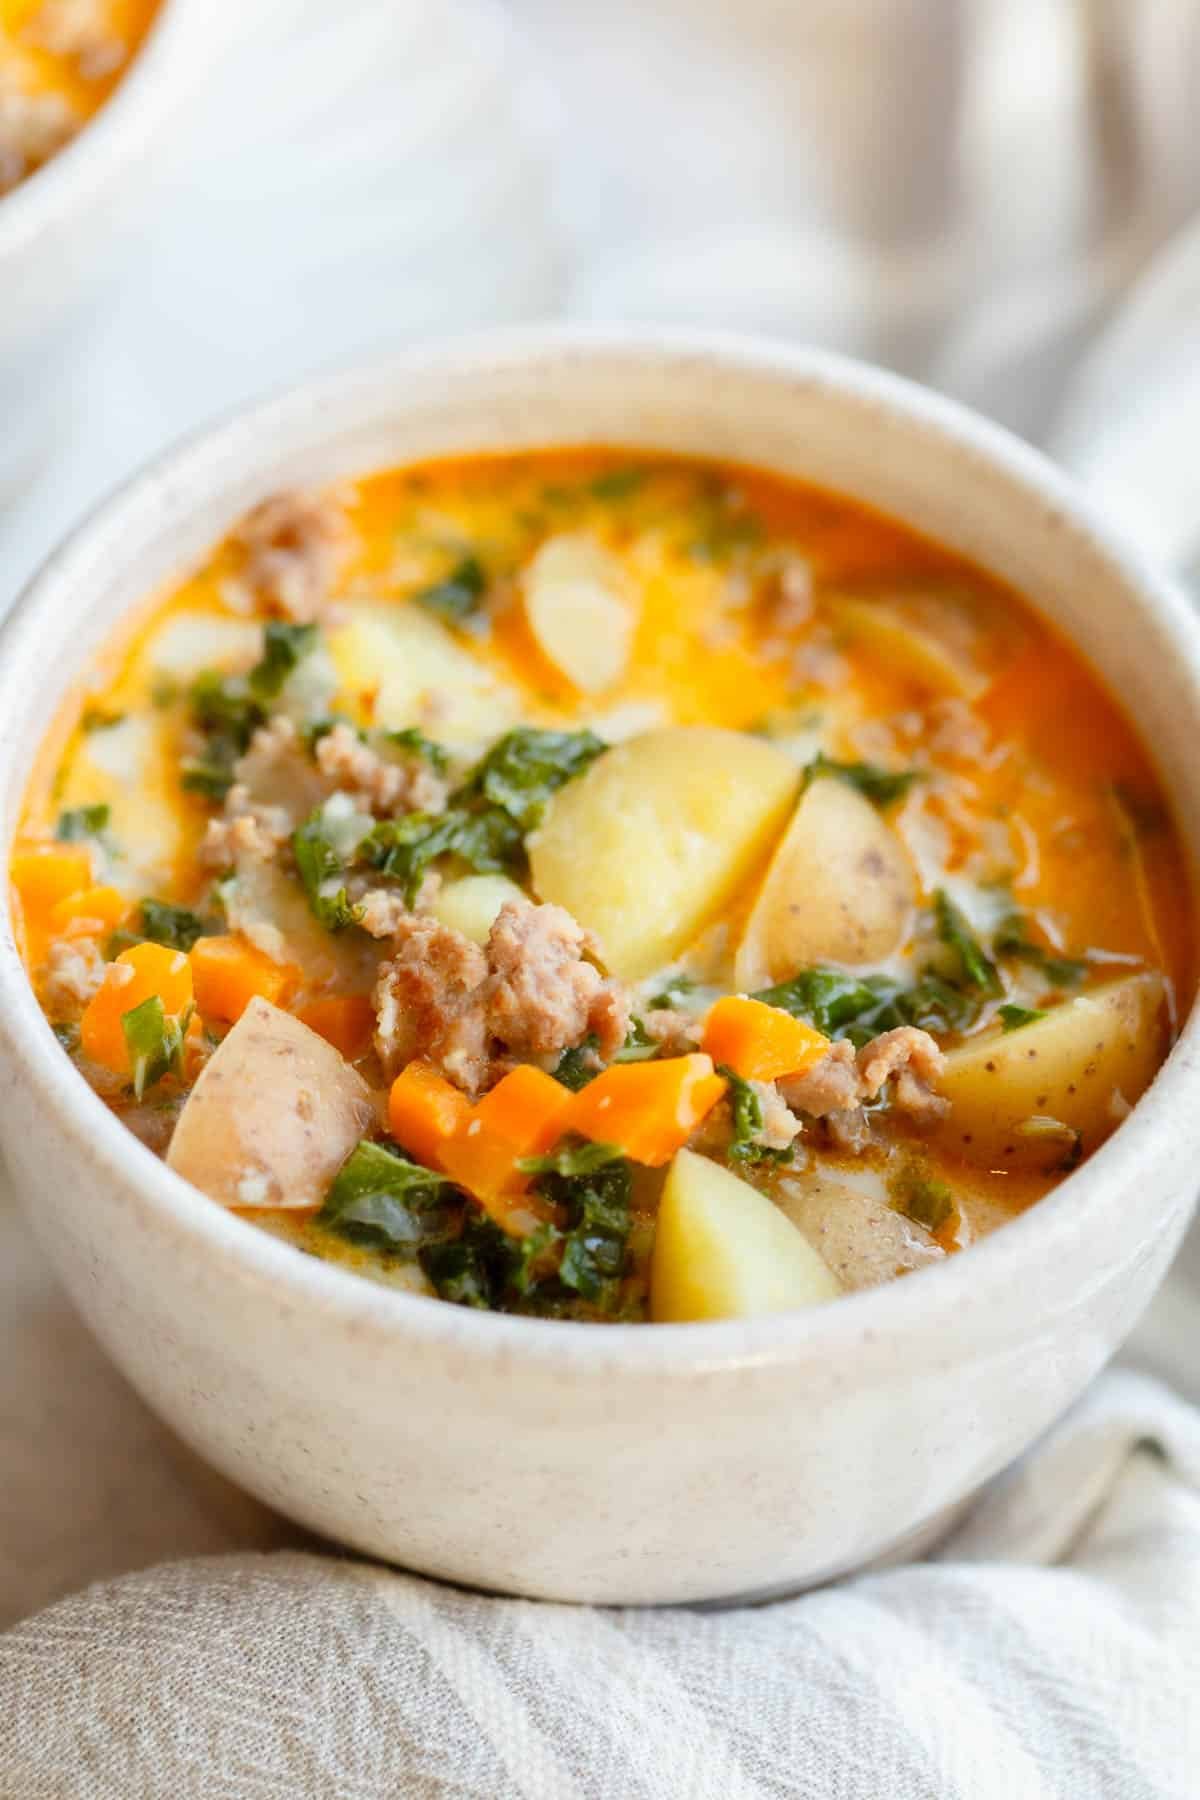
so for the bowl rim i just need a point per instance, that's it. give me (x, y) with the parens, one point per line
(903, 1310)
(113, 134)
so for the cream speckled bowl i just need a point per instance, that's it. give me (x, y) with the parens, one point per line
(626, 1463)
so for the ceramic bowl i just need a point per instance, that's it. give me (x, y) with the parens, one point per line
(65, 231)
(623, 1463)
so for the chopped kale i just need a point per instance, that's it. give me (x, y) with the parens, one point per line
(1012, 939)
(827, 998)
(744, 1146)
(79, 823)
(1013, 1017)
(316, 729)
(930, 1004)
(474, 1268)
(596, 1235)
(572, 1157)
(488, 840)
(68, 1036)
(575, 1068)
(322, 872)
(380, 1197)
(920, 1197)
(404, 848)
(228, 709)
(977, 969)
(618, 484)
(570, 1269)
(860, 1007)
(526, 766)
(459, 596)
(283, 647)
(212, 777)
(882, 787)
(154, 1042)
(638, 1045)
(676, 989)
(415, 741)
(175, 926)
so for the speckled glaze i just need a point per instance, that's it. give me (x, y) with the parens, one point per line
(65, 231)
(626, 1463)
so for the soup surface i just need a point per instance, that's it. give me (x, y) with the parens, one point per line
(603, 887)
(59, 61)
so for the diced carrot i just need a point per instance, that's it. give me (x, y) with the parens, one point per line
(347, 1021)
(45, 876)
(138, 972)
(523, 1115)
(102, 906)
(425, 1112)
(651, 1108)
(229, 972)
(758, 1041)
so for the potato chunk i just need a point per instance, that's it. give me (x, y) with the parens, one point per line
(658, 834)
(906, 648)
(579, 611)
(410, 670)
(1082, 1065)
(273, 1116)
(471, 903)
(723, 1251)
(839, 889)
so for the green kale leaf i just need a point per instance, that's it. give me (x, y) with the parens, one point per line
(575, 1068)
(228, 709)
(322, 873)
(744, 1146)
(175, 926)
(80, 823)
(1013, 1017)
(882, 787)
(154, 1042)
(381, 1198)
(574, 1157)
(1012, 939)
(459, 596)
(977, 969)
(526, 766)
(920, 1197)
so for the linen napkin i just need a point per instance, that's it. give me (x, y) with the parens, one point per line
(1050, 1649)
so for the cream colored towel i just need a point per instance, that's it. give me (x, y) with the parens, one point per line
(1053, 1649)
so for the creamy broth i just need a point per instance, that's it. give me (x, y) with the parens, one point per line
(776, 878)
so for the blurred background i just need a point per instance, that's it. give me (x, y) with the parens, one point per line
(989, 195)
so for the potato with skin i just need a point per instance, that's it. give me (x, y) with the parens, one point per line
(722, 1250)
(1082, 1066)
(903, 646)
(840, 888)
(273, 1116)
(658, 835)
(579, 611)
(848, 1218)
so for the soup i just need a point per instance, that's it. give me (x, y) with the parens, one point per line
(603, 887)
(59, 62)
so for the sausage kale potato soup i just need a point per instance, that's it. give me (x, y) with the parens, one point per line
(604, 888)
(59, 61)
